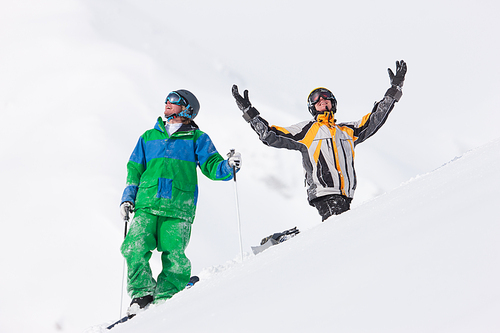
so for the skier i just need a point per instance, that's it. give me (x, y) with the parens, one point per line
(162, 190)
(327, 148)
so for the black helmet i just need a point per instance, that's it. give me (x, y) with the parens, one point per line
(193, 106)
(314, 96)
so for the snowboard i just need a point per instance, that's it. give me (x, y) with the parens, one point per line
(275, 239)
(192, 282)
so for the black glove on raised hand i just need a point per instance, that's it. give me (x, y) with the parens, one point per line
(244, 104)
(397, 80)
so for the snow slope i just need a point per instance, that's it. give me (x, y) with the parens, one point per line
(421, 258)
(80, 80)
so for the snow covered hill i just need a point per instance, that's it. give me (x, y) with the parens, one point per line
(80, 80)
(421, 258)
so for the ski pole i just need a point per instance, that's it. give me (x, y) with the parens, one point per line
(231, 153)
(126, 218)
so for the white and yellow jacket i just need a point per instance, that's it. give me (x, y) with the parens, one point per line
(327, 148)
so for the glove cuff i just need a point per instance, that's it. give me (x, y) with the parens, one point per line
(394, 92)
(250, 114)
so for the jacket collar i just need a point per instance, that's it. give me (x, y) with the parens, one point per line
(160, 126)
(327, 119)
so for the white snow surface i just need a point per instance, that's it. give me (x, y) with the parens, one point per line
(421, 258)
(81, 80)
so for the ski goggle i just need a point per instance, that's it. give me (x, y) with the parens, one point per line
(176, 99)
(318, 93)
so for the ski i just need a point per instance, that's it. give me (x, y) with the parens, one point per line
(192, 282)
(124, 319)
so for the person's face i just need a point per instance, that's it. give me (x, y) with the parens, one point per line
(171, 109)
(323, 105)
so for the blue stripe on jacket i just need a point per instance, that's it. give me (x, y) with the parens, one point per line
(130, 193)
(138, 153)
(176, 149)
(224, 169)
(204, 148)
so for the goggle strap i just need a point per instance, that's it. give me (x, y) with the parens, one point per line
(185, 113)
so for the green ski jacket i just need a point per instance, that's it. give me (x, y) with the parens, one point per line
(161, 172)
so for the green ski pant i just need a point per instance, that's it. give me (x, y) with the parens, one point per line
(170, 236)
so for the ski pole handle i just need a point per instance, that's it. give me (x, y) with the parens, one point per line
(126, 218)
(127, 212)
(229, 155)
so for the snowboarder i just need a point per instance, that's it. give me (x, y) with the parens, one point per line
(162, 190)
(327, 148)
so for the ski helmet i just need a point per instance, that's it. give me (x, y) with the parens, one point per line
(314, 96)
(193, 106)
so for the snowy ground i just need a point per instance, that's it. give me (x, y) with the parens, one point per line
(80, 80)
(421, 258)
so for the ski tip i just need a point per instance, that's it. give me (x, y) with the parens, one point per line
(124, 319)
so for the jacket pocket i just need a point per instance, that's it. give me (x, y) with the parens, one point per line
(348, 148)
(183, 186)
(147, 191)
(185, 193)
(164, 188)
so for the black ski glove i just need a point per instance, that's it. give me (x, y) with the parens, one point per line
(397, 80)
(249, 112)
